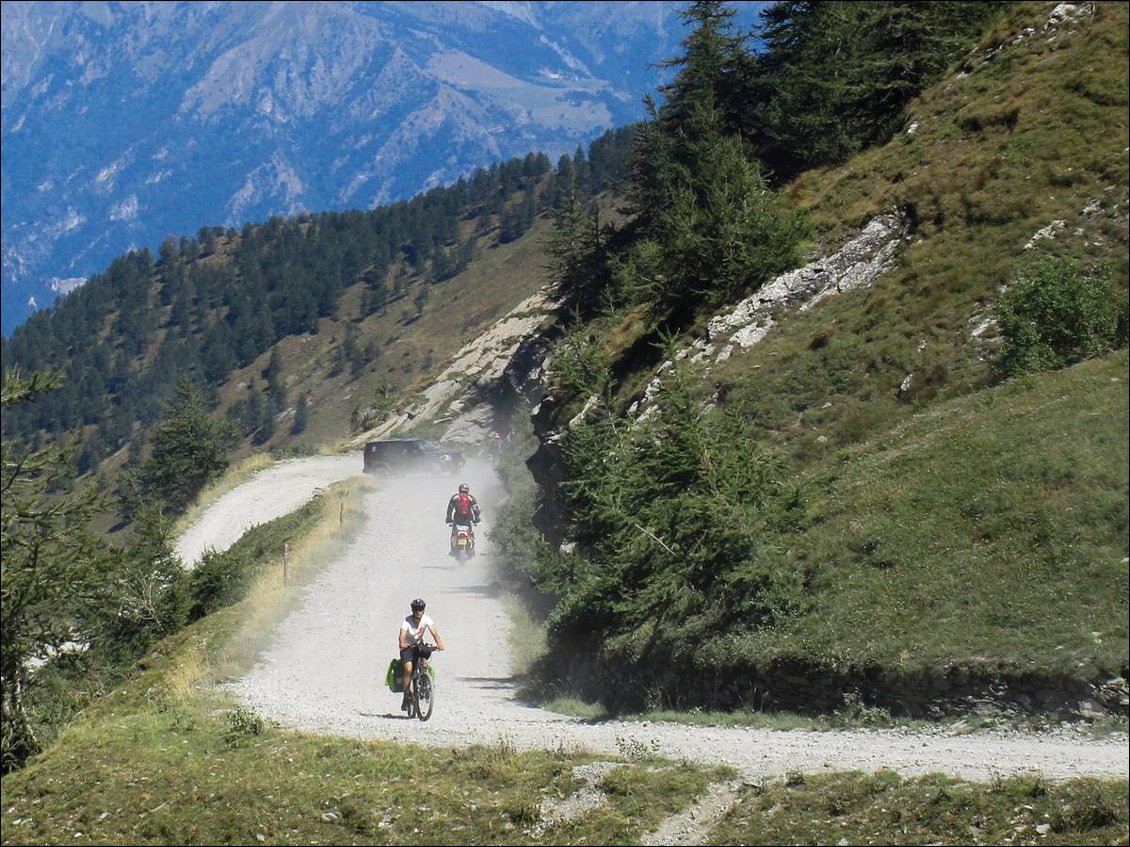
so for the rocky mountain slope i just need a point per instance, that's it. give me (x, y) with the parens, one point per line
(125, 124)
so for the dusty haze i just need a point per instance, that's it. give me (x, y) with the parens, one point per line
(324, 670)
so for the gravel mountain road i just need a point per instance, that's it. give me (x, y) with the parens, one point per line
(324, 670)
(269, 494)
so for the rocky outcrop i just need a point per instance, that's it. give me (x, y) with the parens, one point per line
(475, 393)
(857, 264)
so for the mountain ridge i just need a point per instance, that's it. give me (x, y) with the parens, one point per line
(126, 124)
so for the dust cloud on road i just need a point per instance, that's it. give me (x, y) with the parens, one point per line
(324, 670)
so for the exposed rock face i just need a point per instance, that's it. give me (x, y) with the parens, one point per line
(855, 265)
(475, 393)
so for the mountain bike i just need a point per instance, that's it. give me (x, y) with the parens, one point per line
(422, 697)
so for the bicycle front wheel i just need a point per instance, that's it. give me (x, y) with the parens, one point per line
(423, 695)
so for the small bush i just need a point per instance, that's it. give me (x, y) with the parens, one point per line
(855, 712)
(1056, 315)
(243, 723)
(1086, 807)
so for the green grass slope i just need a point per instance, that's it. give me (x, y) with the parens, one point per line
(983, 539)
(1029, 135)
(963, 528)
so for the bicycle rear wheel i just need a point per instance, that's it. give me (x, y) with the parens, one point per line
(423, 695)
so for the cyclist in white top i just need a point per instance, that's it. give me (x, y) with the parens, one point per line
(412, 630)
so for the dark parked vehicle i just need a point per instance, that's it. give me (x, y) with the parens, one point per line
(410, 455)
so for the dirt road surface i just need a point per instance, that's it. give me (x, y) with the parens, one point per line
(325, 669)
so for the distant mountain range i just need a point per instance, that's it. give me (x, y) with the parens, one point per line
(127, 123)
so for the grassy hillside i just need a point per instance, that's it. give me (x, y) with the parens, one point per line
(965, 522)
(412, 346)
(1029, 131)
(982, 536)
(961, 529)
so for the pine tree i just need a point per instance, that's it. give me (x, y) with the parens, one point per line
(834, 77)
(301, 417)
(189, 450)
(711, 228)
(714, 58)
(51, 565)
(564, 182)
(576, 250)
(276, 384)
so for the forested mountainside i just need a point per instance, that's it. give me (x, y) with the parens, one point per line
(215, 305)
(124, 123)
(914, 483)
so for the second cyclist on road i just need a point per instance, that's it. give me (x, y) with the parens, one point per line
(463, 508)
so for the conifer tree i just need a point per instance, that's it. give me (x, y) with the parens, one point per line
(576, 255)
(50, 568)
(276, 384)
(564, 182)
(301, 417)
(711, 228)
(834, 77)
(714, 57)
(189, 450)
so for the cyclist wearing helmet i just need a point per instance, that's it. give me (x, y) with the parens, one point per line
(412, 630)
(463, 507)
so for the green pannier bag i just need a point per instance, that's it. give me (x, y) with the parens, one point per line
(394, 678)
